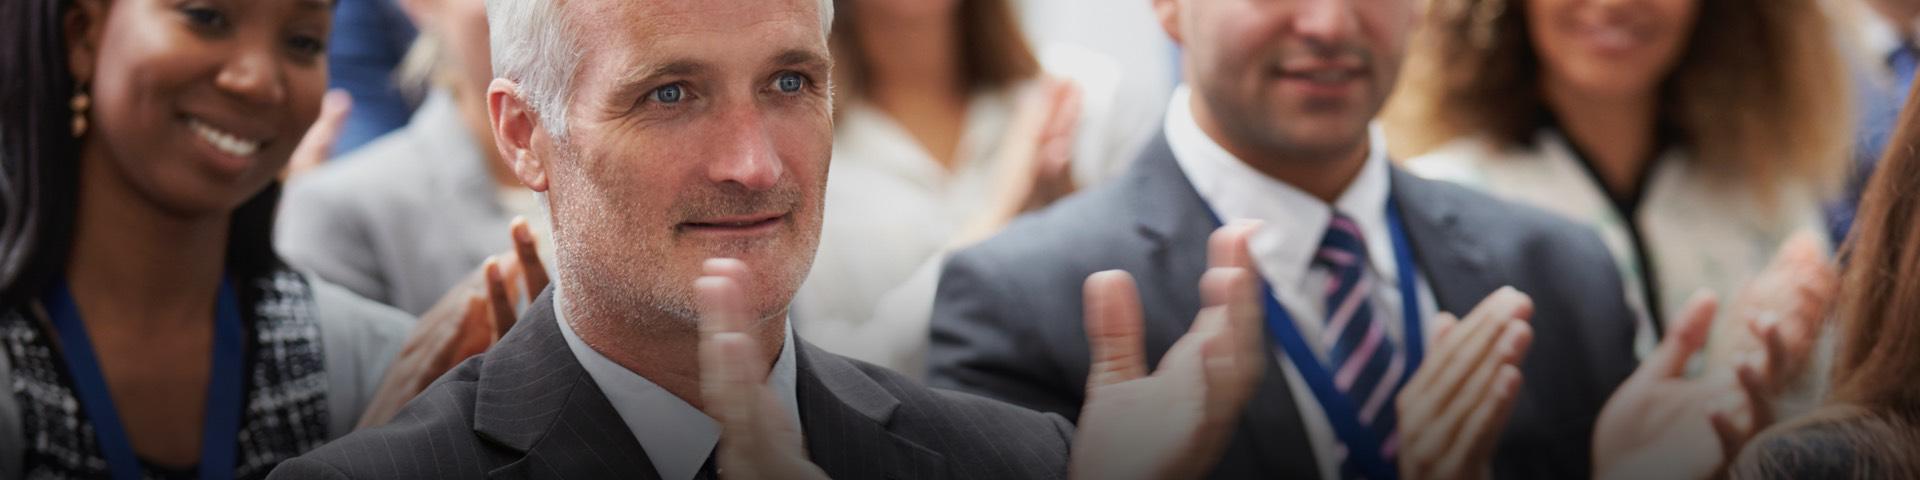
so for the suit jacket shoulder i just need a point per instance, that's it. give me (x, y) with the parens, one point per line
(526, 409)
(932, 432)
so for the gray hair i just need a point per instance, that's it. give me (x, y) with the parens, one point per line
(534, 45)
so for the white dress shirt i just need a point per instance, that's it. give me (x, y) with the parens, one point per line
(677, 437)
(1284, 246)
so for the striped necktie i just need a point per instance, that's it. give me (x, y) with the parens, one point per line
(1365, 364)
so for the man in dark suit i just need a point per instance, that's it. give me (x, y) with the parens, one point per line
(1360, 259)
(683, 149)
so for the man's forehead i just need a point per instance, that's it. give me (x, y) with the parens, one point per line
(644, 19)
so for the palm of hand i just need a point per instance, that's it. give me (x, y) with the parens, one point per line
(1659, 428)
(1140, 425)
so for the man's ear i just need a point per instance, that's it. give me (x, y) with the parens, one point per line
(514, 125)
(1168, 13)
(83, 25)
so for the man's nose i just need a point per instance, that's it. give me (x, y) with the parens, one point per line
(744, 152)
(1326, 22)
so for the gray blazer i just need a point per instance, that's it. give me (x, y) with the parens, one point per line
(401, 220)
(359, 338)
(527, 409)
(1007, 319)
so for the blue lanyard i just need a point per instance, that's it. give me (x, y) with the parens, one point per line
(220, 433)
(1363, 447)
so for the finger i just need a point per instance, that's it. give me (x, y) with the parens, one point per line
(722, 305)
(726, 267)
(1481, 429)
(1114, 329)
(1778, 360)
(1232, 359)
(527, 247)
(1685, 337)
(317, 144)
(1513, 341)
(1758, 393)
(730, 382)
(1066, 110)
(1455, 361)
(1227, 247)
(501, 298)
(1444, 325)
(1732, 436)
(1246, 321)
(460, 340)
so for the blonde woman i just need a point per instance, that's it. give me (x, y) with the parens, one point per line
(1697, 136)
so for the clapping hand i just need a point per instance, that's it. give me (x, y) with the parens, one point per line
(758, 439)
(1175, 422)
(1455, 407)
(465, 322)
(1662, 424)
(1792, 296)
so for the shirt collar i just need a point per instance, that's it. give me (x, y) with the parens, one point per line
(677, 437)
(1294, 221)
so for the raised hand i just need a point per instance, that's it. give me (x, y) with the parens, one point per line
(1035, 160)
(1662, 424)
(1792, 296)
(758, 439)
(1454, 408)
(317, 144)
(1175, 422)
(512, 274)
(466, 321)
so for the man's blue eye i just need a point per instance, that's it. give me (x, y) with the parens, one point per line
(790, 82)
(669, 94)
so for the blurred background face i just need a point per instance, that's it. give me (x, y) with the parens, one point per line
(1292, 78)
(905, 10)
(462, 28)
(699, 129)
(1609, 48)
(198, 104)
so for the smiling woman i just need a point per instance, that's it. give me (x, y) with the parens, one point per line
(1696, 136)
(140, 141)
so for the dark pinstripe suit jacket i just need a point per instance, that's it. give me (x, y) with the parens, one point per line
(526, 409)
(1007, 319)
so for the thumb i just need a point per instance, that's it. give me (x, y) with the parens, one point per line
(1685, 337)
(728, 382)
(1115, 334)
(1233, 357)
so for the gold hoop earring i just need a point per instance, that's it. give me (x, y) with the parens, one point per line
(80, 103)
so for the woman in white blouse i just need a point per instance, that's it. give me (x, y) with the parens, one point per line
(1696, 136)
(948, 126)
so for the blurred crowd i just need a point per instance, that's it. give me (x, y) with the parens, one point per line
(1295, 238)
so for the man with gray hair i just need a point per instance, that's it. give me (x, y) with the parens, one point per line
(683, 148)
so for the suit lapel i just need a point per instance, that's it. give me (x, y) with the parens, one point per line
(1178, 222)
(534, 397)
(1457, 272)
(843, 416)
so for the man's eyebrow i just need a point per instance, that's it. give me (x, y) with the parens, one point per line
(675, 68)
(635, 82)
(801, 58)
